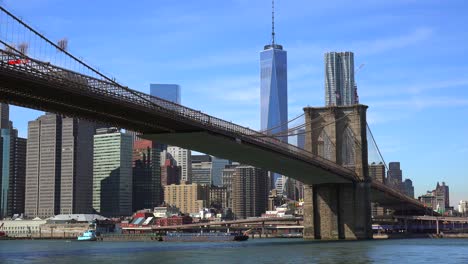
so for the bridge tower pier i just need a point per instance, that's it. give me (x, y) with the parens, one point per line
(335, 211)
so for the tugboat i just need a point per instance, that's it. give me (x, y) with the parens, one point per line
(89, 235)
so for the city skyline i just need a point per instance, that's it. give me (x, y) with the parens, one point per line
(402, 108)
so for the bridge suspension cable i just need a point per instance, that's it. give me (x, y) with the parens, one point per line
(376, 146)
(288, 133)
(282, 124)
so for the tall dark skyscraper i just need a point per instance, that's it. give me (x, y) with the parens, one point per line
(4, 115)
(394, 175)
(274, 92)
(147, 189)
(12, 167)
(340, 87)
(249, 192)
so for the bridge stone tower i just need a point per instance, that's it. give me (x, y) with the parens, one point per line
(338, 210)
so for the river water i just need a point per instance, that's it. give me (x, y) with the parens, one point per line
(252, 251)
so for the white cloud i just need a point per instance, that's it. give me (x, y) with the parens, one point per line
(396, 42)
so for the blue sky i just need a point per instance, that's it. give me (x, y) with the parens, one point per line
(415, 78)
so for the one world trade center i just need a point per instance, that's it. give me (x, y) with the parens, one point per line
(274, 95)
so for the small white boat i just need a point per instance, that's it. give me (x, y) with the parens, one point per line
(89, 235)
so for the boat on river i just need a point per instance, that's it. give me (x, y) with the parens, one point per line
(89, 235)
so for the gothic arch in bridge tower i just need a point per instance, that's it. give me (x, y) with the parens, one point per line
(338, 210)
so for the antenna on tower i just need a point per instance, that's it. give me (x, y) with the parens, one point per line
(273, 22)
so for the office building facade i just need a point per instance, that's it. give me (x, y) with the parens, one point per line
(147, 189)
(217, 167)
(12, 168)
(408, 188)
(76, 166)
(112, 173)
(189, 198)
(394, 175)
(249, 192)
(58, 166)
(228, 174)
(274, 96)
(377, 173)
(201, 173)
(170, 172)
(183, 158)
(340, 87)
(218, 197)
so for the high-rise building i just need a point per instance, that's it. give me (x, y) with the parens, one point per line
(218, 197)
(208, 169)
(228, 174)
(249, 192)
(394, 175)
(463, 208)
(377, 173)
(189, 198)
(76, 179)
(58, 166)
(443, 190)
(168, 92)
(170, 172)
(408, 188)
(12, 169)
(4, 115)
(135, 135)
(184, 160)
(201, 172)
(147, 189)
(217, 166)
(274, 93)
(112, 172)
(340, 88)
(43, 164)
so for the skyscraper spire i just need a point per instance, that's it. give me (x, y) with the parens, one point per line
(273, 23)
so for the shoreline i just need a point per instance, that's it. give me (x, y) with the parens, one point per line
(156, 238)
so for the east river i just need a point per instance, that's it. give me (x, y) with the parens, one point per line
(252, 251)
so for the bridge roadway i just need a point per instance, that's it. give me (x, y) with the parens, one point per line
(433, 218)
(42, 86)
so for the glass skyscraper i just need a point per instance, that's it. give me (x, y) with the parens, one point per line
(169, 92)
(274, 97)
(274, 90)
(340, 88)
